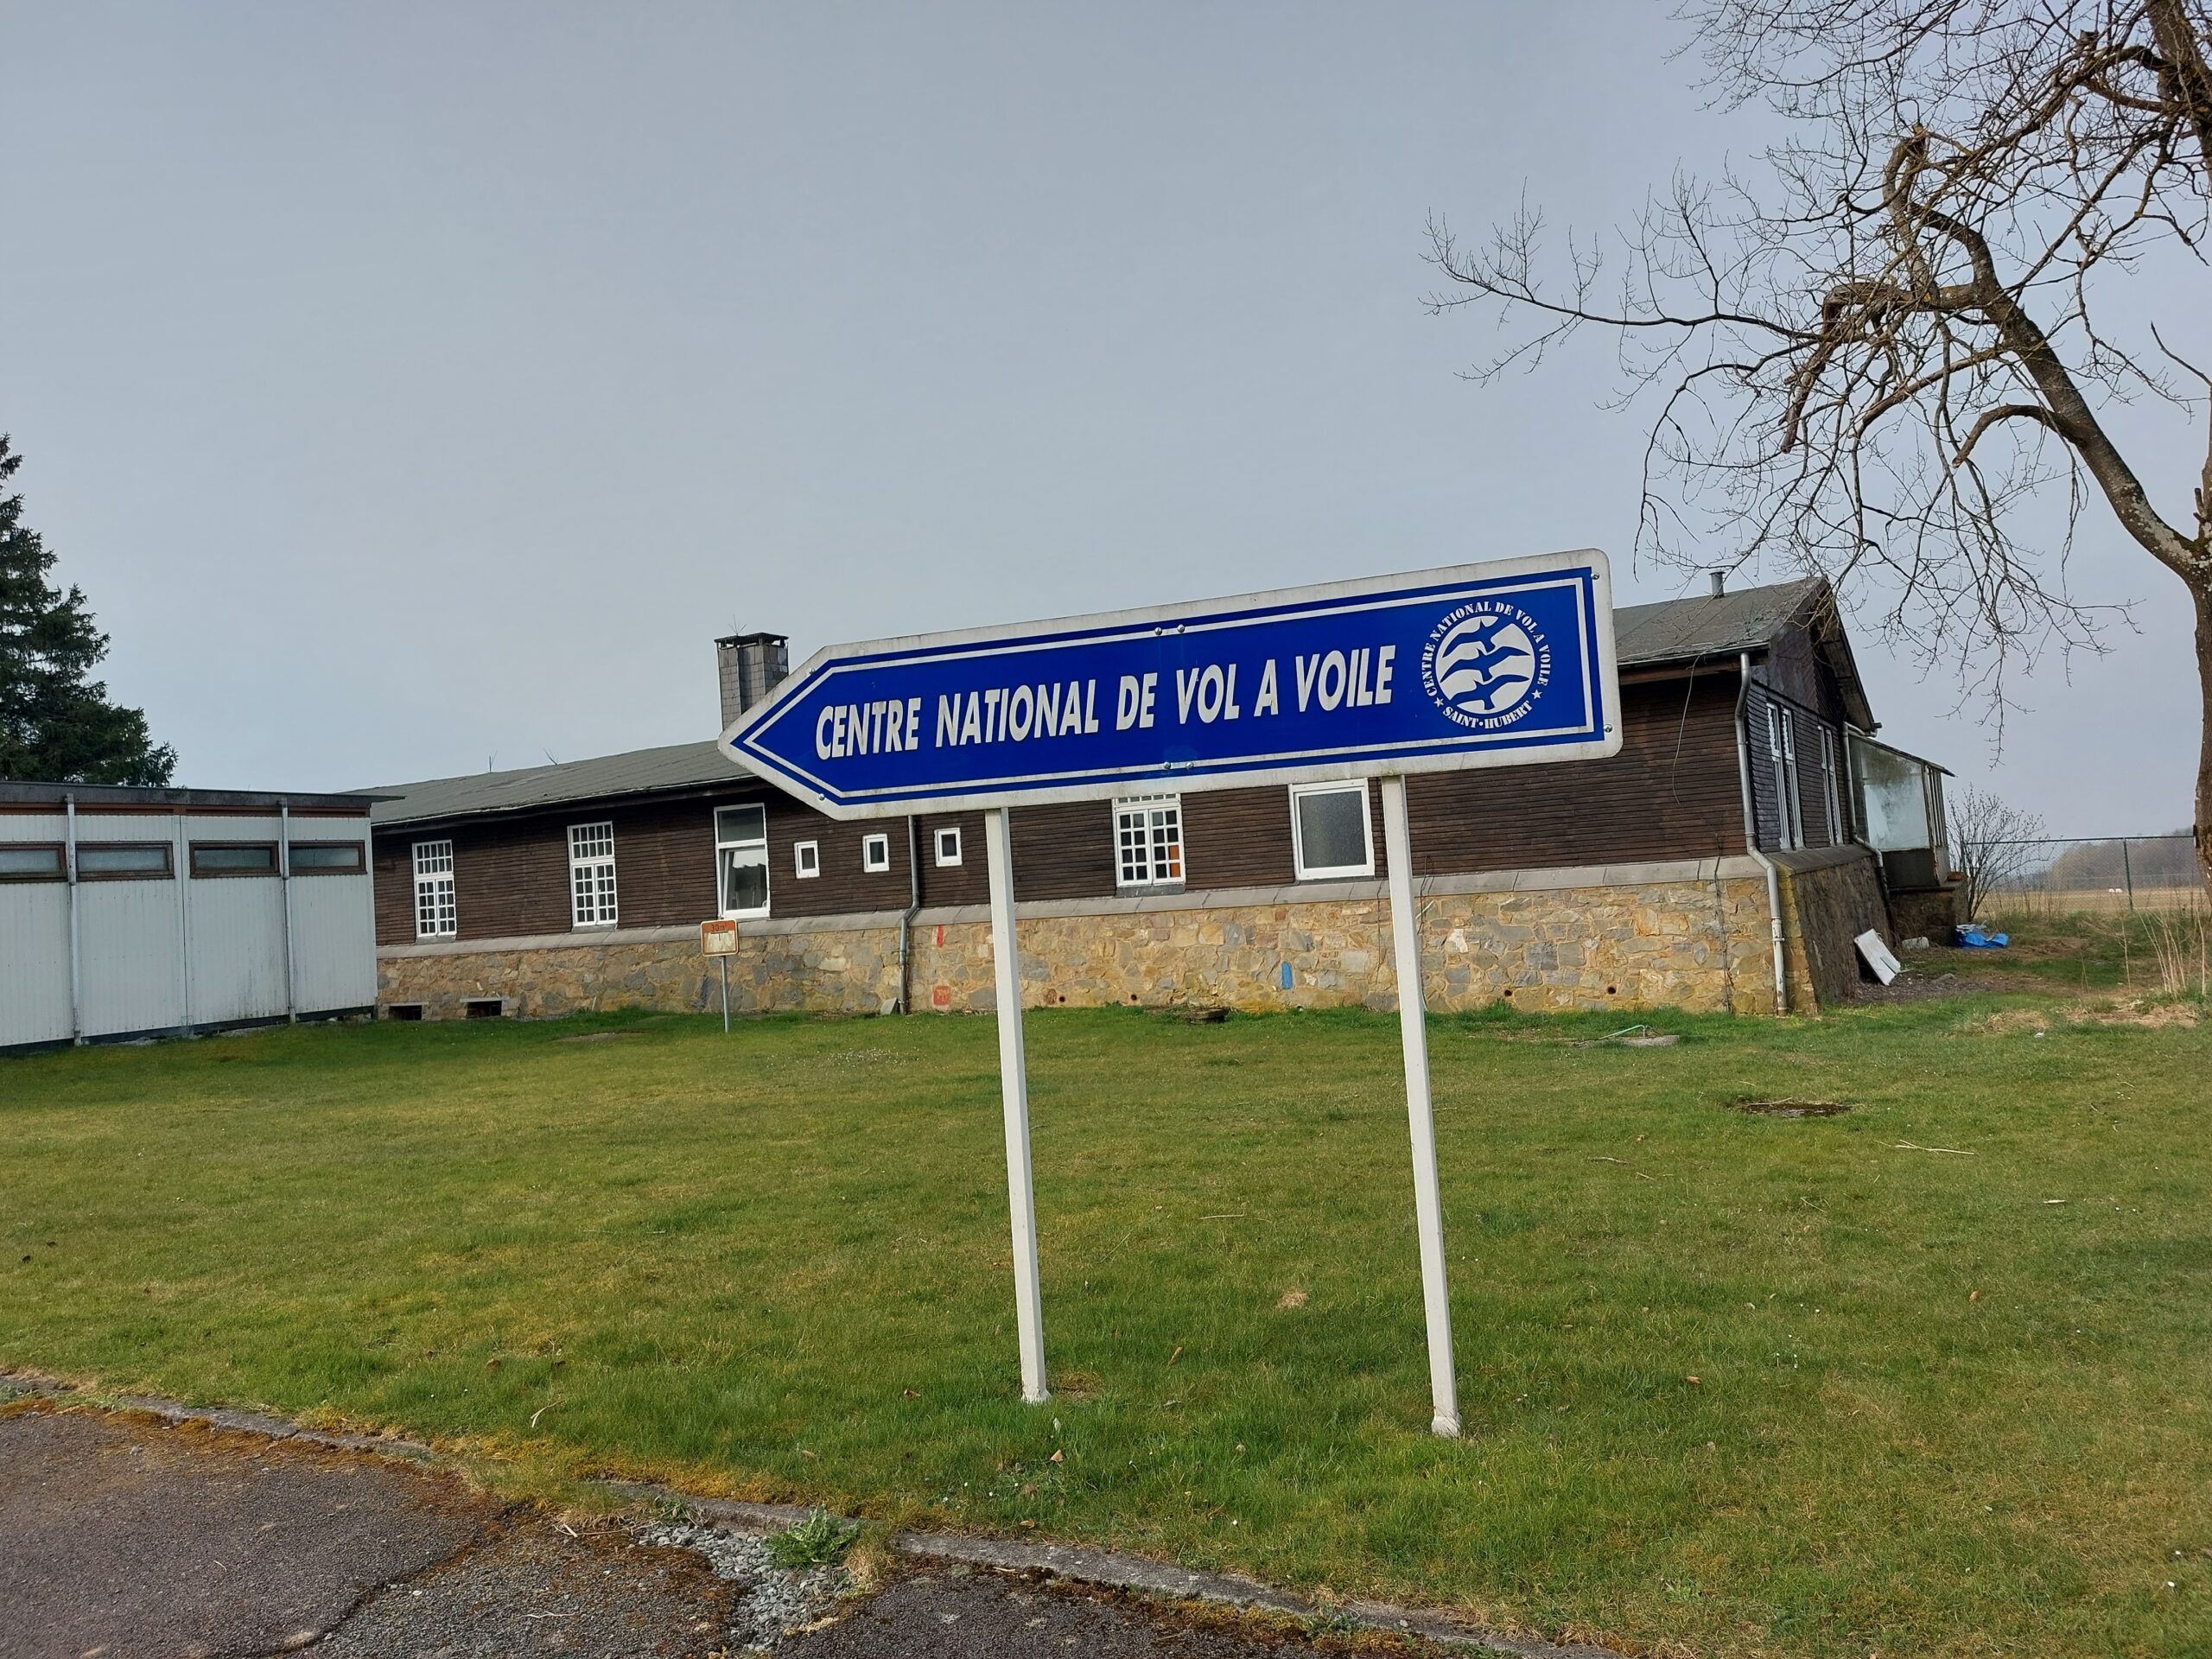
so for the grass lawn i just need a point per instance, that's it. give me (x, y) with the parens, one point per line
(1734, 1385)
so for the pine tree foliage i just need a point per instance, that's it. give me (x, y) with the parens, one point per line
(56, 724)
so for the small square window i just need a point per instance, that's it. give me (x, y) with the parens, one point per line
(806, 859)
(1328, 831)
(875, 853)
(947, 846)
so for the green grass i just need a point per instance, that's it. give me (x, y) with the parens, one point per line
(1732, 1384)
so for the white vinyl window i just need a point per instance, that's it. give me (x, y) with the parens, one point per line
(1148, 841)
(806, 859)
(875, 853)
(1328, 831)
(435, 917)
(948, 845)
(591, 874)
(1781, 748)
(1833, 785)
(742, 859)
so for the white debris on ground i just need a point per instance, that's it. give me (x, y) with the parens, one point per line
(778, 1601)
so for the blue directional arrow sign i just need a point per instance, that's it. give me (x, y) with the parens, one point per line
(1476, 665)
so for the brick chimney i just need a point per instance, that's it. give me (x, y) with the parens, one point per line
(750, 666)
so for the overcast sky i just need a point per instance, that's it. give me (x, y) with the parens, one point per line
(416, 387)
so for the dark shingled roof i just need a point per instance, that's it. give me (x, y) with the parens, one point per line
(1674, 630)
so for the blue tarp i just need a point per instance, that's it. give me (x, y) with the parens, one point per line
(1973, 938)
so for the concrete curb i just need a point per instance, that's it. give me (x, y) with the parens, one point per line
(1075, 1563)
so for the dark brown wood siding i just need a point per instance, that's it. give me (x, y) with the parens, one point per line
(1813, 781)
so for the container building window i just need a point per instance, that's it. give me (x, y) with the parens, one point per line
(234, 858)
(742, 859)
(327, 858)
(1782, 749)
(1329, 830)
(1148, 841)
(435, 916)
(807, 860)
(875, 853)
(591, 874)
(947, 846)
(36, 861)
(123, 861)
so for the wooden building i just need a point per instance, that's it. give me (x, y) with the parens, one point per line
(1719, 851)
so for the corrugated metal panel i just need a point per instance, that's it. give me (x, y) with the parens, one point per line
(236, 931)
(34, 959)
(132, 971)
(333, 942)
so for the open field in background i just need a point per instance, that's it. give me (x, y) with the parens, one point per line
(1931, 1375)
(2144, 952)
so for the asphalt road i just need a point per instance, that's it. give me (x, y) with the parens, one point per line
(122, 1538)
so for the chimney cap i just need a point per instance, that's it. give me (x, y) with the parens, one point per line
(1720, 580)
(752, 639)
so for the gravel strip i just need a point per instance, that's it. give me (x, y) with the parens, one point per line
(778, 1603)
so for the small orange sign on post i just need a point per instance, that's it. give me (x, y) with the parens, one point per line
(719, 938)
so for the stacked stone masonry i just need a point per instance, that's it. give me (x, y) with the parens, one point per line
(1699, 940)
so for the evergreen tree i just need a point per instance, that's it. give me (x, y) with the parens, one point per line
(56, 725)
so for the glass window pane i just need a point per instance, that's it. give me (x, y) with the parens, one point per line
(741, 826)
(745, 882)
(150, 860)
(234, 858)
(345, 857)
(30, 860)
(1332, 829)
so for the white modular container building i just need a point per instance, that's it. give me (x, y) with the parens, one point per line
(136, 912)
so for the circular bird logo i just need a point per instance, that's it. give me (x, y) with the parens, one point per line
(1484, 662)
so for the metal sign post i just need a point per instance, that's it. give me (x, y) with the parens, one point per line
(1506, 663)
(718, 939)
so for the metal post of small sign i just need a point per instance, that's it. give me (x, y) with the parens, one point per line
(1013, 1090)
(725, 996)
(1413, 1036)
(718, 939)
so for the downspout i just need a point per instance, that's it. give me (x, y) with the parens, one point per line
(1751, 830)
(284, 881)
(913, 906)
(76, 949)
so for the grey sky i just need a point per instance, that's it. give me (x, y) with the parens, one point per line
(412, 386)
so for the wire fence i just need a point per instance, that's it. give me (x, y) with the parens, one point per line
(2062, 877)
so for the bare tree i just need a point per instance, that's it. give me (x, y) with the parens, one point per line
(1882, 358)
(1997, 847)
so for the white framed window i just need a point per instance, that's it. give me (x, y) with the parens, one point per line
(742, 859)
(1832, 786)
(947, 842)
(807, 860)
(435, 916)
(591, 874)
(1781, 748)
(875, 853)
(1148, 841)
(1329, 832)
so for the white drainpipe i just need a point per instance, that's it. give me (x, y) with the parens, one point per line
(1752, 831)
(76, 928)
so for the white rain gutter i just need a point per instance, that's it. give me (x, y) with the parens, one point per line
(1752, 830)
(76, 931)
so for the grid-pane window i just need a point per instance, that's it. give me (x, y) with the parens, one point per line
(434, 915)
(1328, 830)
(1782, 747)
(591, 874)
(742, 859)
(1148, 841)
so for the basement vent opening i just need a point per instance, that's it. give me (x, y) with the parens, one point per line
(403, 1011)
(484, 1008)
(1793, 1108)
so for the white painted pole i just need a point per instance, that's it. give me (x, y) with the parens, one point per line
(1412, 1031)
(1014, 1089)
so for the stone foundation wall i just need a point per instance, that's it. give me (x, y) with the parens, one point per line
(1828, 898)
(1688, 936)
